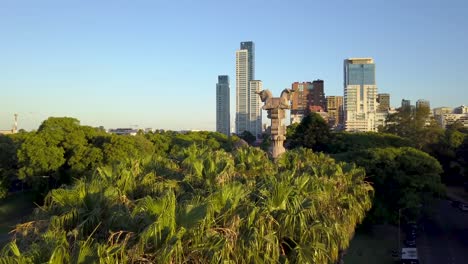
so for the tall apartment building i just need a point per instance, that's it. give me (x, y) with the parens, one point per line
(317, 95)
(405, 103)
(360, 94)
(300, 100)
(255, 115)
(248, 108)
(384, 102)
(423, 103)
(223, 118)
(462, 109)
(334, 108)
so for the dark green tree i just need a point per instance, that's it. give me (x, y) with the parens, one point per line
(416, 125)
(313, 132)
(402, 178)
(248, 137)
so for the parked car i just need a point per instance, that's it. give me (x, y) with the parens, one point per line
(463, 207)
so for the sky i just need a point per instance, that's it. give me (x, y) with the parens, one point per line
(135, 63)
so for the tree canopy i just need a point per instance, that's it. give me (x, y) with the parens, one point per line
(312, 132)
(201, 205)
(402, 178)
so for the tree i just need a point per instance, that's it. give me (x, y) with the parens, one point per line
(313, 132)
(402, 178)
(417, 126)
(345, 141)
(248, 137)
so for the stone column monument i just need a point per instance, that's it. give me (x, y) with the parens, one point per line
(275, 107)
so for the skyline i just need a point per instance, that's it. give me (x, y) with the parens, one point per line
(153, 64)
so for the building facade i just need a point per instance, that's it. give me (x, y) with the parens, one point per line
(248, 115)
(463, 109)
(223, 118)
(300, 100)
(316, 95)
(447, 120)
(255, 114)
(360, 94)
(384, 102)
(405, 103)
(423, 103)
(334, 109)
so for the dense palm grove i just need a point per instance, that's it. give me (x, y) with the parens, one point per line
(202, 197)
(200, 205)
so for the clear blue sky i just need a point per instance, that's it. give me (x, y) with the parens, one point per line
(155, 63)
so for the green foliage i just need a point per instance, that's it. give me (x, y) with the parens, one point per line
(199, 205)
(402, 178)
(345, 141)
(8, 163)
(417, 126)
(248, 137)
(313, 132)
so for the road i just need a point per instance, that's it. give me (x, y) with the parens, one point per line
(444, 239)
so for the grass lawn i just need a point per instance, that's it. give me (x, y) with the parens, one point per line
(14, 209)
(374, 246)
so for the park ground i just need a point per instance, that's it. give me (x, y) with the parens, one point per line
(14, 209)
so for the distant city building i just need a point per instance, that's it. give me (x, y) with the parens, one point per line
(316, 95)
(384, 102)
(380, 119)
(360, 94)
(405, 103)
(463, 109)
(423, 103)
(334, 109)
(442, 110)
(439, 112)
(300, 100)
(247, 102)
(223, 119)
(124, 131)
(255, 115)
(306, 95)
(449, 119)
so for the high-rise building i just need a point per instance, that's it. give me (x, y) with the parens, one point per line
(223, 122)
(255, 115)
(248, 108)
(334, 108)
(423, 103)
(462, 109)
(242, 91)
(360, 94)
(250, 47)
(405, 103)
(317, 95)
(300, 100)
(384, 102)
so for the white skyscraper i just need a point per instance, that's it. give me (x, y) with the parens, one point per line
(223, 122)
(248, 109)
(360, 94)
(255, 115)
